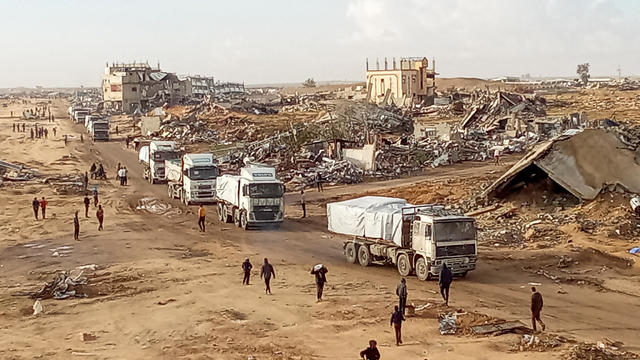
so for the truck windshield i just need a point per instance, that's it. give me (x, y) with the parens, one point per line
(165, 155)
(101, 126)
(265, 190)
(454, 230)
(203, 173)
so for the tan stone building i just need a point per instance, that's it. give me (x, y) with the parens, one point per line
(409, 82)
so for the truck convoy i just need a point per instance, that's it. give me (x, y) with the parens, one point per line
(153, 157)
(414, 238)
(253, 198)
(192, 178)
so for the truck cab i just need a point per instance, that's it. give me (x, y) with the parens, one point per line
(253, 198)
(153, 157)
(99, 128)
(443, 237)
(192, 179)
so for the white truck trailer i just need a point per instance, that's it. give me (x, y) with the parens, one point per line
(253, 198)
(99, 128)
(192, 178)
(153, 156)
(414, 238)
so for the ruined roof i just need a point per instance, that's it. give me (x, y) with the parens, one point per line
(582, 163)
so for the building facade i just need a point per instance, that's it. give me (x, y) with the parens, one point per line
(409, 82)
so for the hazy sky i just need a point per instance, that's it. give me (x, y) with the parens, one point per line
(67, 42)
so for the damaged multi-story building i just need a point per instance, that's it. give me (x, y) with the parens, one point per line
(409, 82)
(199, 86)
(127, 87)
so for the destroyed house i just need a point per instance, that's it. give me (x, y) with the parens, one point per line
(410, 82)
(581, 163)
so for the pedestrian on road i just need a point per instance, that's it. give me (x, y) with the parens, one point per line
(536, 308)
(65, 140)
(302, 202)
(126, 176)
(46, 133)
(86, 181)
(320, 271)
(116, 129)
(43, 206)
(370, 353)
(100, 216)
(24, 127)
(266, 272)
(319, 182)
(496, 156)
(92, 170)
(87, 203)
(246, 267)
(444, 280)
(36, 206)
(118, 172)
(81, 138)
(54, 131)
(201, 218)
(396, 323)
(53, 118)
(14, 126)
(95, 196)
(31, 130)
(401, 291)
(126, 141)
(76, 227)
(122, 175)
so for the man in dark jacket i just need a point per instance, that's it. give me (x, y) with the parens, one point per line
(320, 272)
(396, 323)
(76, 227)
(444, 281)
(36, 206)
(401, 291)
(87, 203)
(246, 267)
(370, 353)
(266, 272)
(536, 308)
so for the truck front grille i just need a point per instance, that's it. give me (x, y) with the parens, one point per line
(455, 250)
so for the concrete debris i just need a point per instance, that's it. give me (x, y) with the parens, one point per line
(63, 286)
(37, 307)
(599, 351)
(448, 324)
(501, 110)
(500, 328)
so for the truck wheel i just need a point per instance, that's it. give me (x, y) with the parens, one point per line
(422, 270)
(244, 222)
(225, 215)
(364, 255)
(350, 253)
(220, 214)
(404, 267)
(236, 217)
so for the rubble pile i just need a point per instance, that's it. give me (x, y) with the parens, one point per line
(599, 351)
(494, 110)
(63, 286)
(66, 184)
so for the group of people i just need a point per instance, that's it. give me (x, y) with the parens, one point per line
(87, 204)
(97, 171)
(39, 206)
(121, 175)
(36, 132)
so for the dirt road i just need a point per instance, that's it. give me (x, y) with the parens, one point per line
(163, 290)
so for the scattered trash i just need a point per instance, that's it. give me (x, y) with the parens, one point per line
(37, 307)
(448, 324)
(88, 337)
(62, 287)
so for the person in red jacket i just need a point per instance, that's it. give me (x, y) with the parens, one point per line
(43, 206)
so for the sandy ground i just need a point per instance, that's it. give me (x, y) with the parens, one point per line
(163, 290)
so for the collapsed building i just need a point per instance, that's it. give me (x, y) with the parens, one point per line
(582, 163)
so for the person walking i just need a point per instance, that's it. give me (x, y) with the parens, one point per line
(95, 196)
(100, 216)
(43, 206)
(65, 140)
(24, 127)
(36, 206)
(396, 323)
(302, 202)
(54, 131)
(401, 291)
(319, 182)
(201, 218)
(86, 181)
(118, 173)
(121, 175)
(46, 133)
(266, 272)
(444, 280)
(81, 138)
(14, 127)
(117, 130)
(320, 271)
(31, 130)
(87, 203)
(536, 308)
(246, 268)
(371, 353)
(496, 156)
(126, 175)
(93, 169)
(76, 227)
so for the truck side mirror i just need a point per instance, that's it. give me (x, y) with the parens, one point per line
(284, 188)
(185, 172)
(244, 190)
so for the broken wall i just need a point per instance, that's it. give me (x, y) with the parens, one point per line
(363, 158)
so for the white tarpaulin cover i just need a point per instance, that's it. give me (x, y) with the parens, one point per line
(375, 217)
(227, 188)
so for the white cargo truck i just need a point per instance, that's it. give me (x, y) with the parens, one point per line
(153, 156)
(414, 238)
(192, 178)
(253, 198)
(99, 128)
(80, 114)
